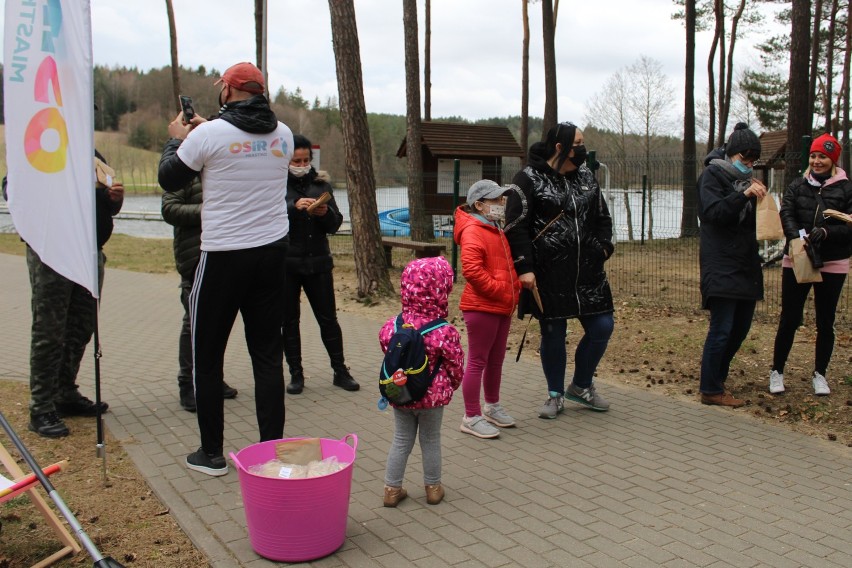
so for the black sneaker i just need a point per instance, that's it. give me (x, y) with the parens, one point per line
(80, 407)
(228, 391)
(345, 381)
(211, 464)
(187, 399)
(48, 425)
(297, 383)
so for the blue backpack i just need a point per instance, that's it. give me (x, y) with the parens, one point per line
(404, 376)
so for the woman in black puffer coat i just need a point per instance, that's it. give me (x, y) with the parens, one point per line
(823, 186)
(560, 232)
(309, 266)
(731, 277)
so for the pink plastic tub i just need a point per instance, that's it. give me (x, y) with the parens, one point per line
(296, 520)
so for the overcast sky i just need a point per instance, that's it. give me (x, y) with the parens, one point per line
(476, 47)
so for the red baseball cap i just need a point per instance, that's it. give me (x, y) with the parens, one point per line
(245, 77)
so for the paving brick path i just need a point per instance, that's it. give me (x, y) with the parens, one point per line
(653, 482)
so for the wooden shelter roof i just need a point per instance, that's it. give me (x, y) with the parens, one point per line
(773, 146)
(451, 140)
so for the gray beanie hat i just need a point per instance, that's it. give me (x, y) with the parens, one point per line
(743, 141)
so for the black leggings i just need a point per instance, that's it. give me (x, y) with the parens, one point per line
(793, 297)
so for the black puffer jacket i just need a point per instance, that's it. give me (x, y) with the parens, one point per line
(559, 228)
(182, 209)
(309, 252)
(800, 207)
(729, 255)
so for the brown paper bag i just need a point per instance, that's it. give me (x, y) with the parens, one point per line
(802, 267)
(768, 220)
(105, 175)
(321, 200)
(300, 452)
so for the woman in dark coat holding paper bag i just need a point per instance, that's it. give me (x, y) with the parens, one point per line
(731, 278)
(823, 187)
(309, 266)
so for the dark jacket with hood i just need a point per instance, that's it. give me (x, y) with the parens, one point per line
(559, 227)
(309, 252)
(729, 255)
(182, 209)
(801, 209)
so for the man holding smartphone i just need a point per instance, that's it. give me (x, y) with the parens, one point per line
(243, 159)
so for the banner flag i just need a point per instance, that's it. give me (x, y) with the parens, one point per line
(49, 108)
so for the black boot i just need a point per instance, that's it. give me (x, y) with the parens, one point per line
(228, 391)
(187, 398)
(297, 382)
(342, 378)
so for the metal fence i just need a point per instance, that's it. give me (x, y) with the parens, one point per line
(654, 266)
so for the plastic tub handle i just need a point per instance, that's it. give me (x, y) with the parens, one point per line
(236, 461)
(353, 438)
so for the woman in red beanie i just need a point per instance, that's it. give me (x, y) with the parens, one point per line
(823, 186)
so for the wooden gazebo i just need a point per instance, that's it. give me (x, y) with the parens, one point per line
(480, 149)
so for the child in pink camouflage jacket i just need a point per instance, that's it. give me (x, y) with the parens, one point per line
(424, 288)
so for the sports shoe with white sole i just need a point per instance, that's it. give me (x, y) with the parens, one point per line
(211, 464)
(479, 427)
(820, 385)
(552, 407)
(495, 414)
(588, 397)
(776, 382)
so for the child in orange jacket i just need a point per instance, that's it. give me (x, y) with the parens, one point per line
(487, 302)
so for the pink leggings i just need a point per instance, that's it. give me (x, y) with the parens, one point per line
(486, 349)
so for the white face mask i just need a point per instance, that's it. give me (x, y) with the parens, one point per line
(496, 213)
(300, 171)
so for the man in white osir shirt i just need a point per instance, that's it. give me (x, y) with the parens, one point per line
(242, 158)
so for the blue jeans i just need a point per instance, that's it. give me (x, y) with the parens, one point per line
(730, 321)
(590, 350)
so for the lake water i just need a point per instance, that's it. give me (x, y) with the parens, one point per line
(667, 206)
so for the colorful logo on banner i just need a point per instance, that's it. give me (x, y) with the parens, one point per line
(44, 152)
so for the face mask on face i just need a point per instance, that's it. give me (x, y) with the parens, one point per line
(495, 213)
(741, 167)
(579, 156)
(300, 171)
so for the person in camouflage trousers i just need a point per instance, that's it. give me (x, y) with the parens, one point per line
(63, 324)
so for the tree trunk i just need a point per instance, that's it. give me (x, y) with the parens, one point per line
(258, 33)
(421, 227)
(847, 60)
(548, 33)
(711, 81)
(726, 109)
(173, 42)
(815, 45)
(370, 266)
(720, 131)
(427, 64)
(798, 114)
(525, 81)
(829, 66)
(688, 215)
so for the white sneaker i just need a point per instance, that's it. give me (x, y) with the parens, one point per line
(820, 385)
(495, 414)
(479, 427)
(776, 382)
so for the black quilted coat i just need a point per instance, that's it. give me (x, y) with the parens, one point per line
(729, 254)
(309, 252)
(182, 210)
(559, 227)
(800, 208)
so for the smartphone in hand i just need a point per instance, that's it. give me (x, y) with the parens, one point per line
(186, 106)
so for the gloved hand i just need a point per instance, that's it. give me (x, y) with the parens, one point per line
(817, 235)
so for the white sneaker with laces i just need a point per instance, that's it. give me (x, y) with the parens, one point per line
(495, 414)
(820, 385)
(776, 382)
(479, 427)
